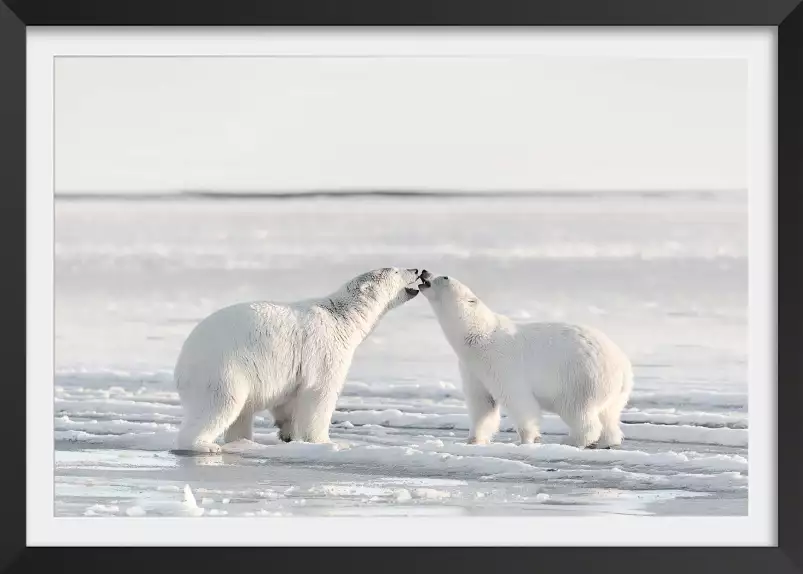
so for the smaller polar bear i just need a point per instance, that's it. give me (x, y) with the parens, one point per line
(573, 371)
(290, 358)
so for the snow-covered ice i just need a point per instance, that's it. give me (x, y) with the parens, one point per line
(665, 276)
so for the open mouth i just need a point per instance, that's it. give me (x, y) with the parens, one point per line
(411, 292)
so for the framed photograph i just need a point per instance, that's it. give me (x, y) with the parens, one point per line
(500, 281)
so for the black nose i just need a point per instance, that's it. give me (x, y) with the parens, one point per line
(425, 274)
(413, 271)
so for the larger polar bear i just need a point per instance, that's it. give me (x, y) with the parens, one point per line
(290, 358)
(576, 372)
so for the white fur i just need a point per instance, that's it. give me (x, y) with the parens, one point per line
(291, 358)
(574, 371)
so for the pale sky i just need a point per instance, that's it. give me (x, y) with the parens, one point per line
(525, 123)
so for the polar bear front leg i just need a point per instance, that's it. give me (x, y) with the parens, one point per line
(524, 410)
(483, 410)
(283, 419)
(242, 427)
(312, 413)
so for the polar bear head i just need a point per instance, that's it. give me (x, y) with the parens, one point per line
(446, 292)
(388, 287)
(462, 315)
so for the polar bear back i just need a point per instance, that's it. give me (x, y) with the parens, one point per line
(573, 360)
(559, 361)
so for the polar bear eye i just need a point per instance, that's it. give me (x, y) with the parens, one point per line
(472, 301)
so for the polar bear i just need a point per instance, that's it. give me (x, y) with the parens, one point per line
(574, 371)
(290, 358)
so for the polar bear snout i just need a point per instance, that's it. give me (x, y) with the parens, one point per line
(428, 281)
(425, 278)
(410, 278)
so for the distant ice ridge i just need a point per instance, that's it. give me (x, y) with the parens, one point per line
(122, 434)
(551, 425)
(688, 397)
(719, 195)
(157, 386)
(258, 254)
(639, 430)
(632, 415)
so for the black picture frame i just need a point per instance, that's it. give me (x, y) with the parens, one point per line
(787, 15)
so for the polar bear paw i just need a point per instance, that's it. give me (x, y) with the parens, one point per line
(198, 448)
(611, 438)
(477, 440)
(529, 435)
(575, 442)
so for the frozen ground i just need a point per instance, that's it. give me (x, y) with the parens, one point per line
(666, 277)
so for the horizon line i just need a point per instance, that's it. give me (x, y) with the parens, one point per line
(390, 193)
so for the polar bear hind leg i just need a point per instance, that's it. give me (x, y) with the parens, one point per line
(611, 433)
(609, 418)
(585, 428)
(203, 423)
